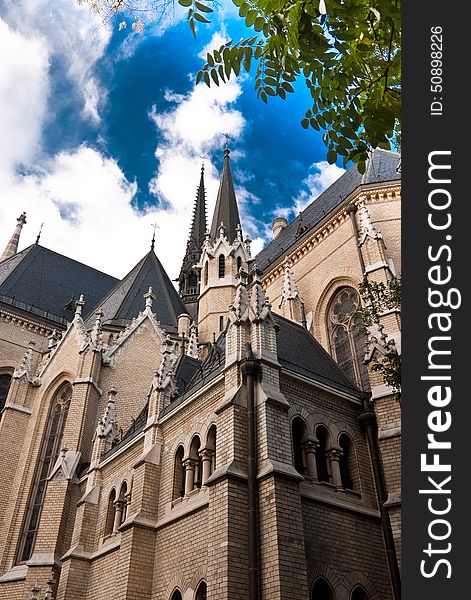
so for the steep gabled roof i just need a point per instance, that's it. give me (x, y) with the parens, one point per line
(301, 353)
(226, 210)
(42, 282)
(381, 167)
(125, 300)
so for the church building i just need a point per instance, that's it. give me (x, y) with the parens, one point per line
(228, 440)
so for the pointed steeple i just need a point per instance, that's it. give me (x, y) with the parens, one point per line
(189, 277)
(226, 210)
(12, 247)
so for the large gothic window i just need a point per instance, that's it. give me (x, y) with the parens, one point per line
(347, 337)
(5, 380)
(50, 449)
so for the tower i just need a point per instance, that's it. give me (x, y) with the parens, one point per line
(224, 253)
(188, 280)
(12, 247)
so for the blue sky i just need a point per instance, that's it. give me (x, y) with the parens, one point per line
(104, 132)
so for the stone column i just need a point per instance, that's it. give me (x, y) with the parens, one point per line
(309, 447)
(118, 514)
(333, 456)
(189, 464)
(207, 460)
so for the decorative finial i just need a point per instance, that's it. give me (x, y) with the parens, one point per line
(226, 150)
(149, 298)
(79, 304)
(39, 233)
(155, 226)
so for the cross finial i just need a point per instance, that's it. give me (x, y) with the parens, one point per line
(39, 233)
(155, 227)
(228, 137)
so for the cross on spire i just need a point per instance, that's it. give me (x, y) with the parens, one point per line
(155, 227)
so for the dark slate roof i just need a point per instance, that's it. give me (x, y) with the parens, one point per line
(204, 372)
(42, 282)
(185, 370)
(301, 353)
(197, 230)
(226, 210)
(381, 167)
(126, 299)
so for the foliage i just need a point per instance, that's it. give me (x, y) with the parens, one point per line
(379, 297)
(347, 52)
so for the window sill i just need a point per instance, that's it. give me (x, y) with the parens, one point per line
(196, 499)
(345, 499)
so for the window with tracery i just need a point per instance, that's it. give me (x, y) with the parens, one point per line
(50, 449)
(348, 339)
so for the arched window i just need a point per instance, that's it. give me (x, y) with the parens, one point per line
(177, 595)
(5, 381)
(239, 263)
(347, 462)
(321, 590)
(206, 273)
(196, 463)
(50, 449)
(179, 475)
(201, 592)
(222, 266)
(321, 457)
(298, 433)
(358, 593)
(221, 323)
(347, 336)
(211, 450)
(122, 503)
(110, 513)
(192, 283)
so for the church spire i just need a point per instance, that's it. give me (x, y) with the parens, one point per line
(12, 247)
(226, 210)
(189, 277)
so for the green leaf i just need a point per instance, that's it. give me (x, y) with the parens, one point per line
(305, 123)
(288, 87)
(331, 157)
(201, 19)
(259, 23)
(185, 3)
(270, 91)
(270, 81)
(199, 76)
(209, 59)
(203, 7)
(244, 9)
(314, 124)
(250, 18)
(192, 27)
(217, 56)
(214, 76)
(258, 52)
(206, 78)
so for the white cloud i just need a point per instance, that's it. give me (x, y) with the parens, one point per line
(92, 99)
(67, 32)
(23, 95)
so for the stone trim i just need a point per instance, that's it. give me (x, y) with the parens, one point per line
(19, 408)
(132, 441)
(88, 380)
(184, 508)
(16, 573)
(192, 398)
(332, 498)
(322, 386)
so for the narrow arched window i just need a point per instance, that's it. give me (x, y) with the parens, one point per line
(321, 453)
(196, 463)
(50, 448)
(202, 591)
(222, 266)
(221, 323)
(298, 433)
(239, 263)
(123, 503)
(321, 590)
(358, 593)
(211, 447)
(179, 475)
(346, 462)
(5, 381)
(177, 595)
(206, 273)
(192, 283)
(110, 513)
(347, 336)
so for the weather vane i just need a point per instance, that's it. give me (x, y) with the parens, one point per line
(228, 137)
